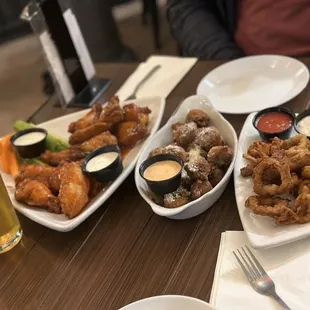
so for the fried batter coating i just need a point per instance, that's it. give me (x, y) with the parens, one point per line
(103, 139)
(220, 155)
(176, 199)
(74, 189)
(129, 133)
(199, 117)
(186, 181)
(55, 158)
(302, 185)
(89, 119)
(49, 176)
(199, 188)
(299, 141)
(305, 172)
(208, 137)
(172, 149)
(136, 114)
(271, 206)
(81, 135)
(112, 113)
(197, 167)
(302, 206)
(184, 134)
(216, 175)
(37, 194)
(272, 189)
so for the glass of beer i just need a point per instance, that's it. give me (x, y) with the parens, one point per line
(10, 230)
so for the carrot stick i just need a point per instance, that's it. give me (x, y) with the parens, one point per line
(5, 153)
(14, 165)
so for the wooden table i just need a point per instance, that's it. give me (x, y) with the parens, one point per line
(123, 252)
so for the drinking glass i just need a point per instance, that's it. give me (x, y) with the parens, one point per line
(10, 230)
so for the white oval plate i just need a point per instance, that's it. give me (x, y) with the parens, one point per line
(261, 231)
(164, 137)
(254, 83)
(59, 126)
(169, 302)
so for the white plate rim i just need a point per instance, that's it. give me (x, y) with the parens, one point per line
(296, 91)
(73, 223)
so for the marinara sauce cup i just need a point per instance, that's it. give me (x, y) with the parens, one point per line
(274, 122)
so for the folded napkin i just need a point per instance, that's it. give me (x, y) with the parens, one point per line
(164, 80)
(288, 266)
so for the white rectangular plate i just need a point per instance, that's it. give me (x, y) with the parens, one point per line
(262, 231)
(59, 126)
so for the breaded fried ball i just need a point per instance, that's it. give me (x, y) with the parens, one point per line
(216, 175)
(199, 188)
(220, 155)
(172, 149)
(176, 199)
(184, 134)
(197, 167)
(186, 181)
(199, 117)
(208, 137)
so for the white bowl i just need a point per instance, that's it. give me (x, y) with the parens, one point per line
(169, 302)
(164, 137)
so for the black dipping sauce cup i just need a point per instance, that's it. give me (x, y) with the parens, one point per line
(165, 186)
(299, 117)
(109, 173)
(30, 150)
(284, 134)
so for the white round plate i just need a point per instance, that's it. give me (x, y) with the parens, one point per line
(169, 302)
(254, 83)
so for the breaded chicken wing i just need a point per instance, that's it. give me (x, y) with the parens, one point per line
(136, 114)
(37, 194)
(55, 158)
(98, 141)
(81, 135)
(89, 119)
(74, 189)
(112, 113)
(129, 133)
(49, 176)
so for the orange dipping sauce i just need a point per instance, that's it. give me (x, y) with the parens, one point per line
(274, 122)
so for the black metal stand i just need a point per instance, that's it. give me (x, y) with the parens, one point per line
(91, 93)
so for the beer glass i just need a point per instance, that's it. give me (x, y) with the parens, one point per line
(10, 230)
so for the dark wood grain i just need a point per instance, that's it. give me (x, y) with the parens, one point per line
(123, 252)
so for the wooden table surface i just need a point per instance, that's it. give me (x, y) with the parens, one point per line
(123, 252)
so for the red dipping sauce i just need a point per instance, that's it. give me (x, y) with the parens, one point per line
(274, 122)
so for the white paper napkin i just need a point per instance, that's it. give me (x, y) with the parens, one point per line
(172, 71)
(288, 266)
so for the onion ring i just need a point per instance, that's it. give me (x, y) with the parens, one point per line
(272, 189)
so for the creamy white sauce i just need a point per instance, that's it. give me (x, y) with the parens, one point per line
(30, 138)
(101, 161)
(304, 125)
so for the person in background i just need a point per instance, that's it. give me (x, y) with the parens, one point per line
(228, 29)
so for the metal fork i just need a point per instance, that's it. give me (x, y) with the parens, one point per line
(257, 276)
(133, 95)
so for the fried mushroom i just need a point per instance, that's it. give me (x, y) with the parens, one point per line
(199, 188)
(199, 117)
(184, 134)
(176, 199)
(208, 137)
(220, 155)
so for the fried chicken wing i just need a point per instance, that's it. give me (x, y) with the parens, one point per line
(103, 139)
(81, 135)
(55, 158)
(112, 113)
(37, 194)
(129, 133)
(87, 120)
(49, 176)
(74, 189)
(137, 114)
